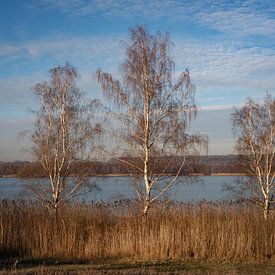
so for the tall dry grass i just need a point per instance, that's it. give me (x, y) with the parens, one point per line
(213, 232)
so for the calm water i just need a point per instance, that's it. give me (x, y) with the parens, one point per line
(114, 188)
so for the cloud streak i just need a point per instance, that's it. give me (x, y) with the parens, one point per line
(217, 107)
(64, 48)
(220, 65)
(241, 22)
(241, 18)
(213, 66)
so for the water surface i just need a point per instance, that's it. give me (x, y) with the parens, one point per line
(109, 189)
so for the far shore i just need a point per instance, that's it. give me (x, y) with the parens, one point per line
(127, 175)
(228, 174)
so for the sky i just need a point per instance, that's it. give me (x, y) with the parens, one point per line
(228, 47)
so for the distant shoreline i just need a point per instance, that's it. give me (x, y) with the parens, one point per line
(228, 174)
(127, 175)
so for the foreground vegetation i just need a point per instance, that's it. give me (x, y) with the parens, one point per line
(175, 232)
(141, 267)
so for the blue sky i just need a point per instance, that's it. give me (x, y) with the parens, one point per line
(228, 46)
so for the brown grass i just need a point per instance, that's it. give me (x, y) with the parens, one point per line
(177, 232)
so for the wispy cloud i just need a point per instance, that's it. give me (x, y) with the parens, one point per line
(217, 107)
(17, 96)
(111, 8)
(220, 65)
(241, 22)
(212, 66)
(250, 17)
(84, 49)
(10, 50)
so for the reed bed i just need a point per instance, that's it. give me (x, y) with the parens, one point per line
(175, 231)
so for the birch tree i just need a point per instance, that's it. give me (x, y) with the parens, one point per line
(153, 113)
(62, 133)
(254, 127)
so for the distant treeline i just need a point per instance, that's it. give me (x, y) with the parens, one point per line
(205, 165)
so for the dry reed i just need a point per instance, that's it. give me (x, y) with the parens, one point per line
(184, 232)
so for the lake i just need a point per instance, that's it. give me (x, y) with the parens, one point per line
(109, 189)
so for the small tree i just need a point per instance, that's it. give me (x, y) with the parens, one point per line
(63, 131)
(154, 113)
(254, 127)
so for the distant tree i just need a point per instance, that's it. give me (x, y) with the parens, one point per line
(62, 134)
(254, 128)
(153, 113)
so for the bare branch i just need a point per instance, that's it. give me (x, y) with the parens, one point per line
(155, 113)
(254, 127)
(64, 129)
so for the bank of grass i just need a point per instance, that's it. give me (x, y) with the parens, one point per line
(141, 267)
(177, 233)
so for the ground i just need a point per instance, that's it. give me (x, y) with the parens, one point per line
(112, 266)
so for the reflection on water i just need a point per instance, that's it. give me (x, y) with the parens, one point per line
(114, 188)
